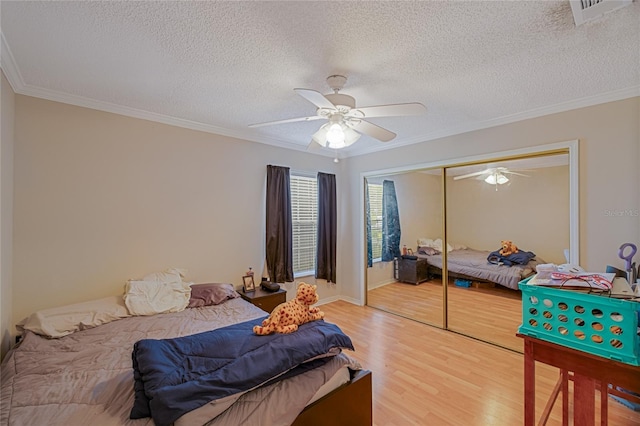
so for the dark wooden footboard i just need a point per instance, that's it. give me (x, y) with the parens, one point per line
(351, 404)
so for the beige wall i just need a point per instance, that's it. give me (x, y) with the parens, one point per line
(533, 212)
(7, 109)
(381, 273)
(419, 204)
(101, 198)
(609, 144)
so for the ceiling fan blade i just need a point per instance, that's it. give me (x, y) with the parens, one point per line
(468, 175)
(374, 131)
(289, 120)
(315, 98)
(515, 173)
(394, 110)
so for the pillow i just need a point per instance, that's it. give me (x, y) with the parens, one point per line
(459, 247)
(429, 251)
(171, 275)
(156, 297)
(425, 242)
(437, 244)
(64, 320)
(210, 294)
(428, 242)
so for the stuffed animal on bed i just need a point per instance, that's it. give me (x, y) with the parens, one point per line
(507, 248)
(286, 317)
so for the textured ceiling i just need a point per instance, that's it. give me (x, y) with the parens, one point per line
(220, 66)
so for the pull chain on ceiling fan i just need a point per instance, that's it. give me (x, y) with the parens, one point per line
(346, 122)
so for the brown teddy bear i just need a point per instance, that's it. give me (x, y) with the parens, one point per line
(507, 248)
(286, 317)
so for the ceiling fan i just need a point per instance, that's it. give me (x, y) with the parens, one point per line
(346, 122)
(492, 175)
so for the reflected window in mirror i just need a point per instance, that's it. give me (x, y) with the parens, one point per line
(375, 213)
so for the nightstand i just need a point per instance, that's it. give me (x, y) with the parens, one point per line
(412, 270)
(265, 300)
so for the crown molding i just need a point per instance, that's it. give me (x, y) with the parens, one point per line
(587, 101)
(81, 101)
(8, 65)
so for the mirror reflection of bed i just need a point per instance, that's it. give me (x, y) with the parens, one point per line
(483, 300)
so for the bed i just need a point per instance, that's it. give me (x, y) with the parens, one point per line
(87, 377)
(470, 264)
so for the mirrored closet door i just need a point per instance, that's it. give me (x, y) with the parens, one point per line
(527, 199)
(400, 282)
(503, 218)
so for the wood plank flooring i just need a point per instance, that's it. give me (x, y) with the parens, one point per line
(423, 375)
(490, 314)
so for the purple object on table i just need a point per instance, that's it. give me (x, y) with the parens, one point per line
(629, 257)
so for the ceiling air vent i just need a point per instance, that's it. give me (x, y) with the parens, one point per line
(588, 10)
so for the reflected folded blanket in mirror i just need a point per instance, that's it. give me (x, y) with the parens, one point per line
(520, 258)
(175, 376)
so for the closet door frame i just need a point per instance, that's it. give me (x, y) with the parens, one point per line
(568, 147)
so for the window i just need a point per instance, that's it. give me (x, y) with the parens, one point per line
(304, 217)
(375, 212)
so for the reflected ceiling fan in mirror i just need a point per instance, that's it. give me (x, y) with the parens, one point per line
(346, 122)
(493, 175)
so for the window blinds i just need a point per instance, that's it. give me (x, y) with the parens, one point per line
(304, 213)
(375, 211)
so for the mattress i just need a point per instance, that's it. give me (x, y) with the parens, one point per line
(473, 263)
(217, 409)
(87, 377)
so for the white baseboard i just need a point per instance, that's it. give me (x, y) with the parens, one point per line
(382, 284)
(336, 298)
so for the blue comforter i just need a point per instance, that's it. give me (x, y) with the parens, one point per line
(520, 258)
(175, 376)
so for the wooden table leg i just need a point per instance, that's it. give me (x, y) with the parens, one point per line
(604, 401)
(588, 373)
(565, 397)
(551, 401)
(529, 385)
(584, 389)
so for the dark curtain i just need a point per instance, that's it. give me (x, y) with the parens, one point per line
(390, 222)
(327, 228)
(368, 215)
(279, 238)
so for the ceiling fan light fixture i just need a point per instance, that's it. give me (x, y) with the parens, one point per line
(335, 135)
(496, 178)
(346, 122)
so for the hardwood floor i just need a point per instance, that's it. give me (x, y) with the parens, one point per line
(492, 314)
(421, 302)
(423, 375)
